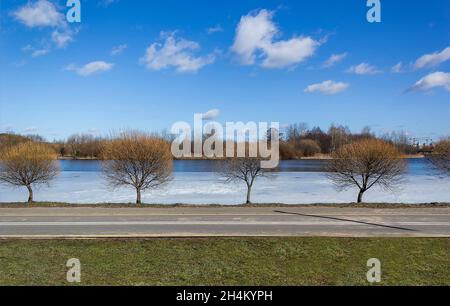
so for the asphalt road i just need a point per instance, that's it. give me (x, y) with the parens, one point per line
(220, 221)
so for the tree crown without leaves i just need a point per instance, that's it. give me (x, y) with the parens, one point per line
(137, 159)
(28, 163)
(441, 156)
(245, 169)
(366, 163)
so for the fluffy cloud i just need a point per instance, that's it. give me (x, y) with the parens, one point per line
(432, 60)
(255, 36)
(327, 87)
(44, 13)
(118, 49)
(35, 52)
(31, 129)
(177, 53)
(398, 68)
(432, 80)
(40, 52)
(363, 69)
(334, 59)
(211, 114)
(39, 14)
(215, 29)
(91, 68)
(62, 38)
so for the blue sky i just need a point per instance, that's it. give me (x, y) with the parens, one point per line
(147, 64)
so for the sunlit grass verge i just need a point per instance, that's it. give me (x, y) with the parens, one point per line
(226, 261)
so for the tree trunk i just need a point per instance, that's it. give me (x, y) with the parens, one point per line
(30, 194)
(138, 196)
(249, 191)
(360, 196)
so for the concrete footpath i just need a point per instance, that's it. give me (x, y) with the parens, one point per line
(80, 222)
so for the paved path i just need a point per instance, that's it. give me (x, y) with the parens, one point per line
(222, 221)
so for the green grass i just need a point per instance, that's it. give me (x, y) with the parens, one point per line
(226, 261)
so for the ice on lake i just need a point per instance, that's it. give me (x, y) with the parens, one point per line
(208, 188)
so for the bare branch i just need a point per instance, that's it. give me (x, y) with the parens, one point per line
(245, 169)
(441, 156)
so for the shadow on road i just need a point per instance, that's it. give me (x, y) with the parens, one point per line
(346, 220)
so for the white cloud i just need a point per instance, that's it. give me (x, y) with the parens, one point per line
(363, 69)
(334, 59)
(397, 68)
(91, 68)
(31, 129)
(432, 60)
(255, 37)
(42, 13)
(211, 114)
(327, 87)
(432, 80)
(62, 38)
(215, 29)
(40, 52)
(6, 129)
(117, 50)
(35, 52)
(27, 48)
(93, 131)
(106, 3)
(177, 53)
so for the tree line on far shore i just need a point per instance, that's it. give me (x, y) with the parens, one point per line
(296, 141)
(143, 161)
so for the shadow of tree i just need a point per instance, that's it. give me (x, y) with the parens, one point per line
(345, 220)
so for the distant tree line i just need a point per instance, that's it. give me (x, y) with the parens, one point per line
(296, 141)
(299, 141)
(80, 146)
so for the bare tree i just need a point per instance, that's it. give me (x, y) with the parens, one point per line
(441, 156)
(28, 164)
(339, 136)
(138, 160)
(365, 164)
(245, 169)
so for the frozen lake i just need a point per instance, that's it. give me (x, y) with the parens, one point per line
(194, 182)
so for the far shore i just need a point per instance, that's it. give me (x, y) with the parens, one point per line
(315, 157)
(266, 205)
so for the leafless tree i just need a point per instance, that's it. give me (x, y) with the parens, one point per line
(365, 164)
(245, 169)
(28, 164)
(339, 136)
(441, 156)
(138, 160)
